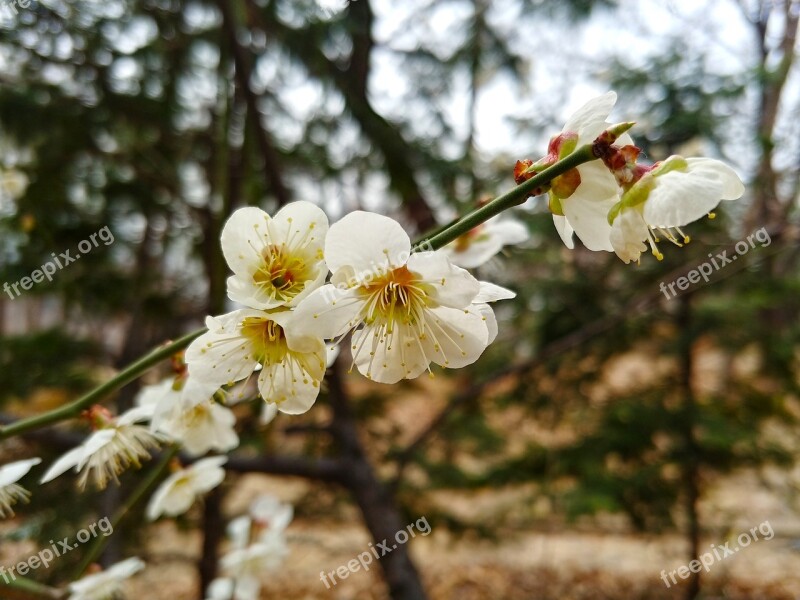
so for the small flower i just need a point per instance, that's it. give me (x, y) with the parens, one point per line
(276, 261)
(412, 306)
(580, 204)
(479, 245)
(267, 554)
(117, 444)
(179, 491)
(667, 197)
(226, 588)
(190, 415)
(107, 584)
(10, 491)
(292, 366)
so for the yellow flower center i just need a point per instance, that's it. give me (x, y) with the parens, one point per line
(397, 296)
(283, 274)
(267, 338)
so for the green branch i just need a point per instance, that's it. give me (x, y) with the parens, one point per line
(32, 589)
(513, 197)
(73, 409)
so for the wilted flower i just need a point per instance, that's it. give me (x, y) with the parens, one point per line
(118, 443)
(107, 584)
(10, 491)
(179, 491)
(412, 306)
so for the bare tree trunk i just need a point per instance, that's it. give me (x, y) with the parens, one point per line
(381, 515)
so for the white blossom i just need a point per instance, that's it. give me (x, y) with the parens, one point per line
(10, 491)
(107, 584)
(179, 491)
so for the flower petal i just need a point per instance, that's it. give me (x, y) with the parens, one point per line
(452, 285)
(454, 338)
(590, 119)
(367, 242)
(13, 472)
(388, 360)
(289, 385)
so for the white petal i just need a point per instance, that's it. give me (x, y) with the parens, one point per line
(452, 285)
(455, 338)
(589, 120)
(682, 197)
(590, 221)
(268, 413)
(222, 355)
(244, 236)
(389, 360)
(565, 230)
(289, 385)
(170, 499)
(367, 242)
(490, 292)
(13, 472)
(298, 225)
(328, 312)
(487, 314)
(77, 456)
(628, 234)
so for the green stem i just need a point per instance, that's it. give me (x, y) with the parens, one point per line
(73, 409)
(32, 589)
(512, 198)
(144, 486)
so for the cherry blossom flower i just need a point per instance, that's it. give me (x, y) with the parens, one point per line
(107, 584)
(405, 310)
(479, 245)
(10, 491)
(669, 196)
(179, 491)
(117, 443)
(236, 344)
(276, 261)
(188, 413)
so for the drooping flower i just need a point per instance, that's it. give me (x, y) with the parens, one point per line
(107, 584)
(669, 196)
(412, 306)
(10, 491)
(276, 261)
(292, 364)
(580, 199)
(188, 413)
(117, 443)
(479, 245)
(179, 491)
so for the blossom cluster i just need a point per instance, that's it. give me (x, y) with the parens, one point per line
(617, 204)
(401, 311)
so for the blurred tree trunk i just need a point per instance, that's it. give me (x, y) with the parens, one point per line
(378, 508)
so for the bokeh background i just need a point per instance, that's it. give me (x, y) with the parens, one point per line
(610, 433)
